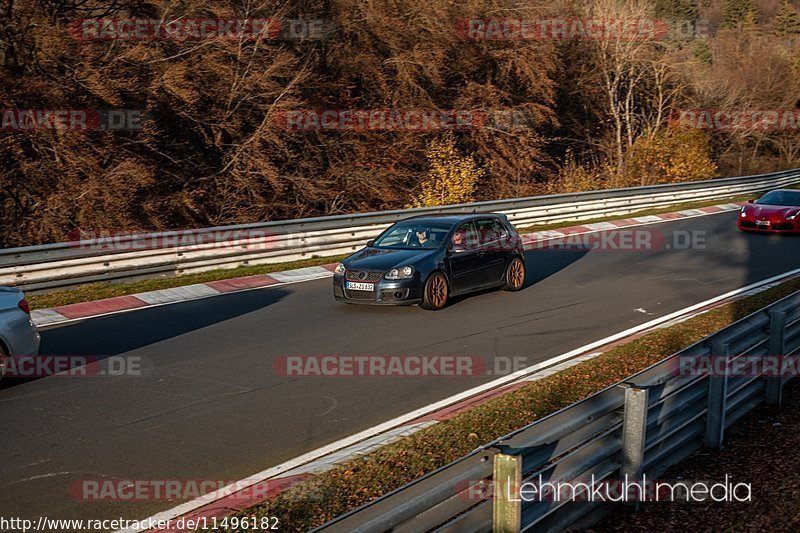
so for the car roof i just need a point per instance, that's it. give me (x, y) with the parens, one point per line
(452, 218)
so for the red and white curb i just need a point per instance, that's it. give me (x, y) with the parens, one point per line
(84, 310)
(229, 500)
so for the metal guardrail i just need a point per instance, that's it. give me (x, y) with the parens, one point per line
(652, 421)
(174, 253)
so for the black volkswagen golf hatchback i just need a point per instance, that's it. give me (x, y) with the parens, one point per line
(427, 259)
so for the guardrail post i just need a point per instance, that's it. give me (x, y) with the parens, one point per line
(507, 503)
(717, 397)
(777, 348)
(634, 433)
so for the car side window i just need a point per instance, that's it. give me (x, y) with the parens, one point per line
(502, 230)
(470, 234)
(489, 230)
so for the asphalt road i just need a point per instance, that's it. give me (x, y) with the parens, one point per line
(209, 405)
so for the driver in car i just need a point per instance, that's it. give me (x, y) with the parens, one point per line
(422, 238)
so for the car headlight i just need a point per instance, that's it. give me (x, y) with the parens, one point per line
(791, 217)
(339, 270)
(400, 273)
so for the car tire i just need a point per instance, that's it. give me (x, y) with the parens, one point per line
(515, 275)
(435, 292)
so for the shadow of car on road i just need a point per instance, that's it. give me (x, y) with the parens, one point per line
(100, 338)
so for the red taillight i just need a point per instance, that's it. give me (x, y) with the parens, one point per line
(23, 304)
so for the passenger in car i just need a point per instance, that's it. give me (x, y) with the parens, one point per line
(458, 240)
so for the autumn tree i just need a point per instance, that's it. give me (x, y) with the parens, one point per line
(671, 156)
(452, 177)
(786, 21)
(738, 13)
(677, 9)
(701, 51)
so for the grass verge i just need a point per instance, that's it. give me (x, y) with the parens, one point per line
(349, 485)
(101, 290)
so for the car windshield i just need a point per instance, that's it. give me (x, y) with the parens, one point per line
(411, 234)
(789, 198)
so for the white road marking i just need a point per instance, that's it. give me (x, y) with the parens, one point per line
(177, 294)
(601, 226)
(692, 212)
(301, 274)
(648, 219)
(46, 316)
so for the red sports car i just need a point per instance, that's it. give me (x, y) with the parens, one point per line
(776, 212)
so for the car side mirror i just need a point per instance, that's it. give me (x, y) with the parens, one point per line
(370, 242)
(751, 201)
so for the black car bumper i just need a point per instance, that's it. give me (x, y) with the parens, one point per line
(386, 292)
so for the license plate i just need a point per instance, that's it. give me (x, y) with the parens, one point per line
(354, 286)
(762, 222)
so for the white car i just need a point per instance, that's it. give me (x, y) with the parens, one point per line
(18, 334)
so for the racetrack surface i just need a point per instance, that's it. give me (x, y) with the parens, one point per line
(209, 405)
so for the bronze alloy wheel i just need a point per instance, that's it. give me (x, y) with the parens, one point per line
(435, 296)
(515, 275)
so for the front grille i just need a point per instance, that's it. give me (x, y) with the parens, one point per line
(363, 275)
(747, 224)
(361, 295)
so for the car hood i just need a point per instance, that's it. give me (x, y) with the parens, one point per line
(383, 259)
(771, 211)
